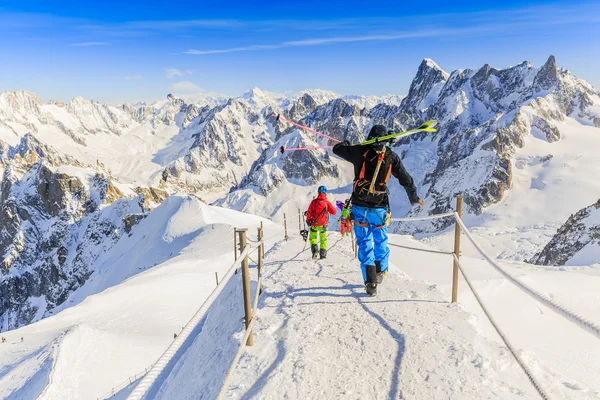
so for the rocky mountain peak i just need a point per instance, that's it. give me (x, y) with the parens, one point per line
(428, 75)
(304, 106)
(547, 76)
(21, 101)
(581, 230)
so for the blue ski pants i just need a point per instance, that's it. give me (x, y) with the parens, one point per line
(371, 241)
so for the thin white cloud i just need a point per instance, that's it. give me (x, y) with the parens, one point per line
(84, 44)
(133, 77)
(333, 40)
(174, 72)
(472, 24)
(185, 87)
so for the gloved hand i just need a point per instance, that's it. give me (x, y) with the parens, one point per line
(339, 204)
(419, 202)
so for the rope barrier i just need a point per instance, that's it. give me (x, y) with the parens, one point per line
(424, 250)
(568, 314)
(423, 218)
(514, 352)
(240, 351)
(126, 383)
(149, 379)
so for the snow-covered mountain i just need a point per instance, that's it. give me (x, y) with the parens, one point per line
(486, 117)
(577, 242)
(57, 216)
(498, 129)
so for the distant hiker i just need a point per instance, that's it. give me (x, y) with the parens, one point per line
(21, 339)
(317, 218)
(3, 339)
(344, 221)
(370, 203)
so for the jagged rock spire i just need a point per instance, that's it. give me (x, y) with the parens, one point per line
(547, 76)
(428, 75)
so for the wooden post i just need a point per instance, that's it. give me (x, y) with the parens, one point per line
(246, 284)
(261, 255)
(260, 249)
(234, 244)
(299, 221)
(285, 226)
(217, 278)
(459, 200)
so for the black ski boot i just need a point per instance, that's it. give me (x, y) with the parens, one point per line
(315, 251)
(380, 274)
(371, 284)
(323, 253)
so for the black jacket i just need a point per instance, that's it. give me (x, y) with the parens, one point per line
(354, 154)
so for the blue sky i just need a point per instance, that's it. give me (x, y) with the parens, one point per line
(109, 51)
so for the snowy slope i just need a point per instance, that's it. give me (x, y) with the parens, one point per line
(576, 242)
(550, 181)
(319, 335)
(142, 292)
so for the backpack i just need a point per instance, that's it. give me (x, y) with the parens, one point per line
(364, 190)
(312, 219)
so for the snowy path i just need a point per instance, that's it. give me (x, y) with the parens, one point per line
(319, 336)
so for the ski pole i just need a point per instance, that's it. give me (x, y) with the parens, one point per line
(279, 117)
(282, 149)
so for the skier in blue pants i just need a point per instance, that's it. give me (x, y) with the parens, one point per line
(373, 166)
(370, 231)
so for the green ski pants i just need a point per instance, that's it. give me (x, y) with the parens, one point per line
(322, 232)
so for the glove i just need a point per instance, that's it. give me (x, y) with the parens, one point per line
(419, 202)
(339, 204)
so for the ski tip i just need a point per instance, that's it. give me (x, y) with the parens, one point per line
(281, 149)
(429, 124)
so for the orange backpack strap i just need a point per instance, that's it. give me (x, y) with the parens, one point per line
(389, 173)
(362, 170)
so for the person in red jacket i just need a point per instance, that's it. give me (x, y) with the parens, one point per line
(317, 218)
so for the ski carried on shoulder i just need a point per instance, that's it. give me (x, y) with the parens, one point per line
(428, 126)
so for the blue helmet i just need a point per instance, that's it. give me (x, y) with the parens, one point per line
(322, 189)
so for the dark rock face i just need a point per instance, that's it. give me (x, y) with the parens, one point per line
(52, 228)
(547, 77)
(484, 117)
(131, 220)
(580, 230)
(305, 105)
(428, 76)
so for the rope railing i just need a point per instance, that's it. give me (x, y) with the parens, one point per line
(126, 383)
(243, 342)
(510, 347)
(422, 218)
(148, 380)
(568, 314)
(150, 377)
(423, 250)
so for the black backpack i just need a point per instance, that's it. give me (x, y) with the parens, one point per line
(364, 189)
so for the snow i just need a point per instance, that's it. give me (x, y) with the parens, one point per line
(317, 333)
(314, 330)
(123, 319)
(545, 192)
